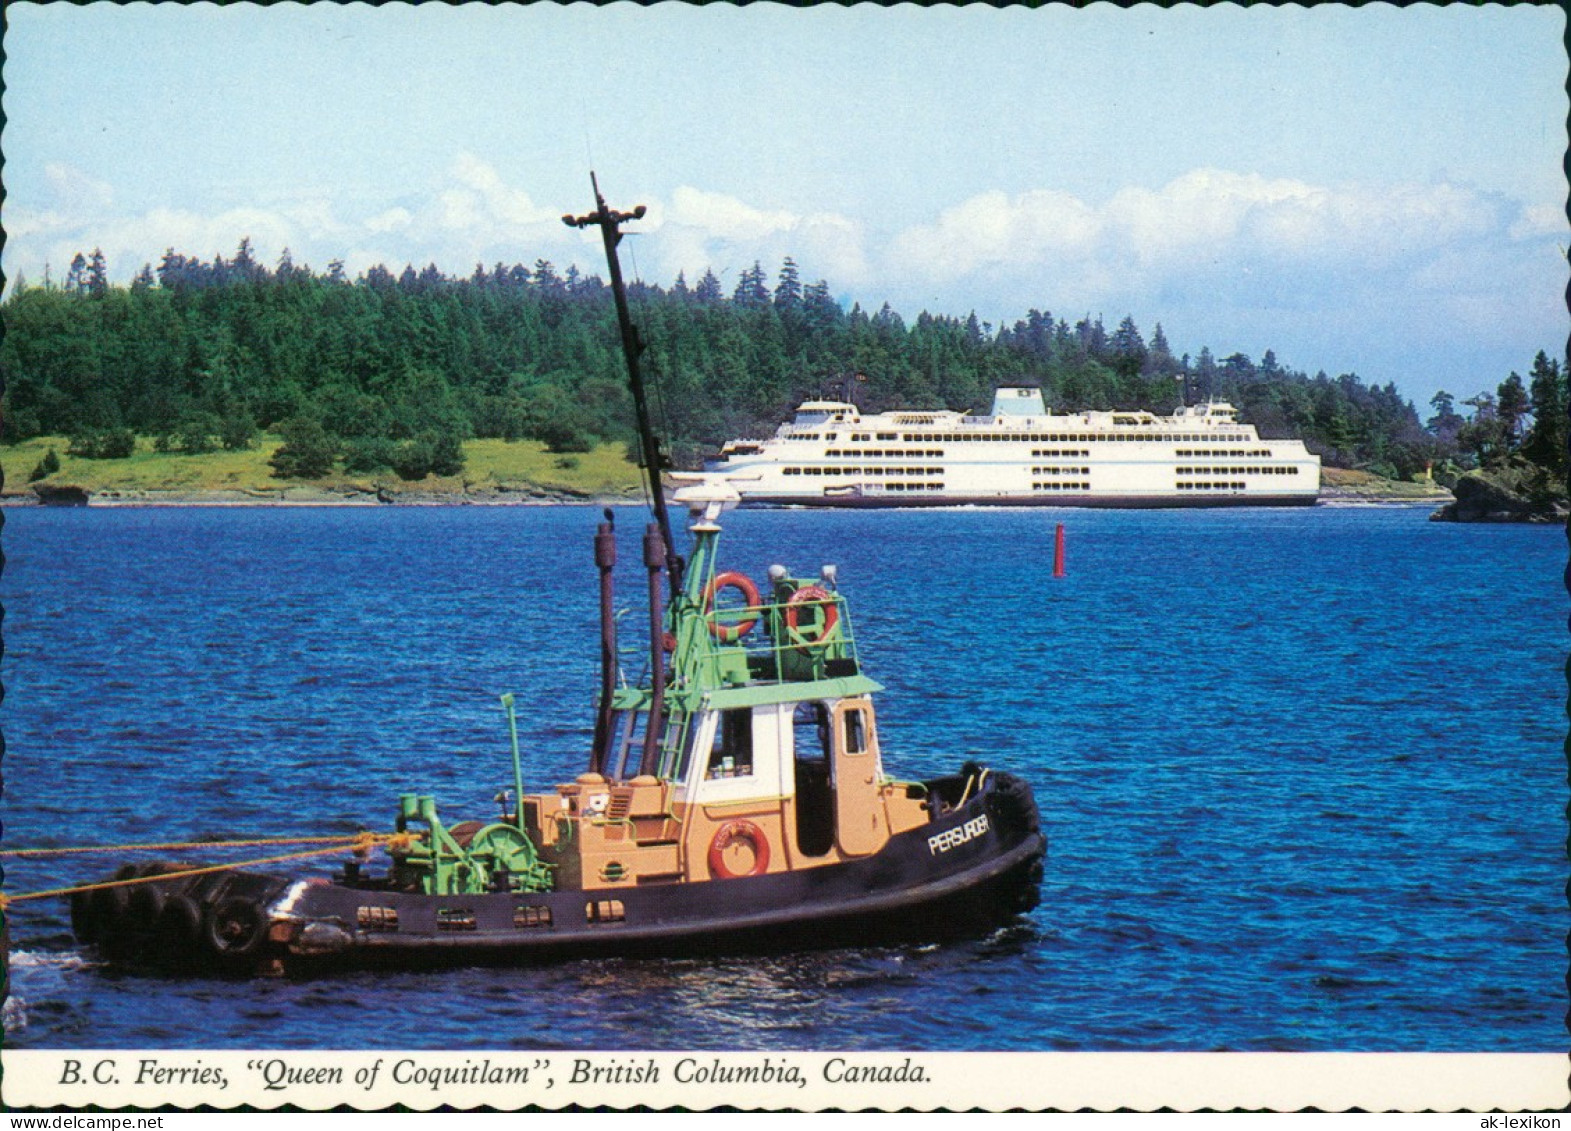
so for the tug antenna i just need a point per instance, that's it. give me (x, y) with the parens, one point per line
(609, 221)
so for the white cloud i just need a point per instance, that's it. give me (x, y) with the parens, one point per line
(1202, 219)
(22, 223)
(724, 217)
(394, 219)
(700, 230)
(508, 205)
(76, 191)
(1540, 220)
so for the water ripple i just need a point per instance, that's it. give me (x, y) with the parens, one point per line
(1301, 783)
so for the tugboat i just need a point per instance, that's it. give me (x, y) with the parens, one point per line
(734, 799)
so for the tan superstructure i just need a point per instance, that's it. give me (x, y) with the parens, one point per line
(603, 834)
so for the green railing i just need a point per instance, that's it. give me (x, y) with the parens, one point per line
(784, 642)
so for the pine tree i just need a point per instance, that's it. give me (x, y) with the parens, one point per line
(788, 291)
(1159, 342)
(75, 278)
(1204, 387)
(245, 267)
(97, 281)
(1546, 439)
(308, 451)
(1129, 349)
(822, 311)
(171, 270)
(752, 289)
(1446, 421)
(1512, 406)
(1485, 435)
(708, 289)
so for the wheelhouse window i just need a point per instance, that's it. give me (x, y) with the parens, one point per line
(731, 752)
(855, 732)
(811, 724)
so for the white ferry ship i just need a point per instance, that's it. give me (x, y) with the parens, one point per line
(830, 455)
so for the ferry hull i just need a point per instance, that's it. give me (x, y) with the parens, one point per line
(975, 868)
(1123, 502)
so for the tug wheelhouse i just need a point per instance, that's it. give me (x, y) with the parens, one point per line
(767, 758)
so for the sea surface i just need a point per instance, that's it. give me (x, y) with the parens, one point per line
(1301, 770)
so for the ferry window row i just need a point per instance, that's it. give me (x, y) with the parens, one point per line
(1069, 486)
(938, 486)
(1237, 470)
(861, 471)
(1060, 471)
(891, 453)
(1068, 437)
(1202, 452)
(1203, 486)
(1040, 452)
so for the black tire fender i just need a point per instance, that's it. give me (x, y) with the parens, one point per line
(83, 923)
(177, 936)
(110, 925)
(234, 929)
(143, 907)
(108, 906)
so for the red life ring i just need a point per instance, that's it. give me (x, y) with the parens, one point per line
(811, 596)
(728, 633)
(730, 833)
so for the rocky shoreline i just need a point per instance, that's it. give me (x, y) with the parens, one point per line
(1510, 494)
(307, 496)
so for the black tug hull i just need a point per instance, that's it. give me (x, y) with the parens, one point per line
(974, 868)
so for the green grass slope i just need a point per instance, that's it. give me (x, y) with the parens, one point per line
(491, 467)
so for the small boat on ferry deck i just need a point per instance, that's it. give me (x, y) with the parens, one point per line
(1020, 454)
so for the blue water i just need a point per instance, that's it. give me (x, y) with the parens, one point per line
(1301, 771)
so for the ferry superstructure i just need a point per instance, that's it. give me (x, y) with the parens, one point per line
(830, 454)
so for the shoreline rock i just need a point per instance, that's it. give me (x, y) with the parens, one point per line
(1510, 494)
(61, 495)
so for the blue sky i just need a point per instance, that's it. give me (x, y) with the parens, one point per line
(1374, 190)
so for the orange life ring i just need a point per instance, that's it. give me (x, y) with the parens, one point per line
(728, 633)
(814, 635)
(730, 833)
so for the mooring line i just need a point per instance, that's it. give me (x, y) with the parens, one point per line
(363, 843)
(175, 845)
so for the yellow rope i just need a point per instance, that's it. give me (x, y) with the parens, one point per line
(363, 843)
(176, 845)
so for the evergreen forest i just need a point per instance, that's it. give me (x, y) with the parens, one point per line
(395, 371)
